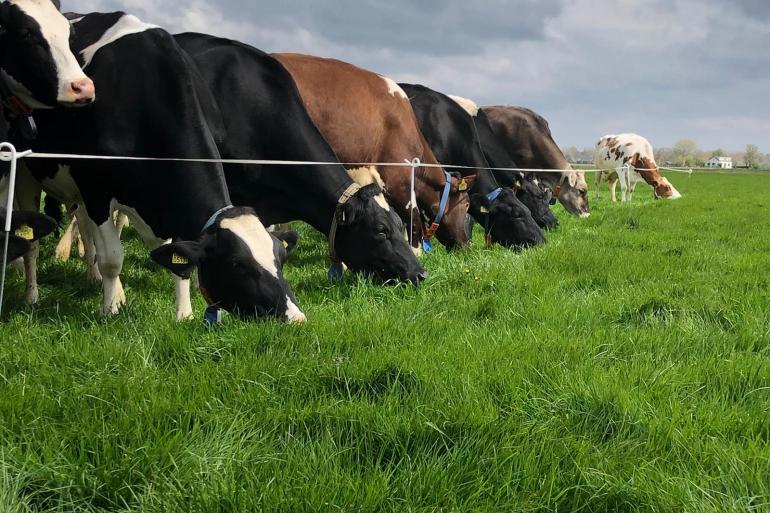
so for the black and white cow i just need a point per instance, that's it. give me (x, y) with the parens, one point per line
(265, 118)
(150, 105)
(450, 132)
(526, 189)
(34, 73)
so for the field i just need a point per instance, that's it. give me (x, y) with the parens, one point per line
(624, 367)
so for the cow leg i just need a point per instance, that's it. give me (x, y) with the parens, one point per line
(28, 192)
(64, 247)
(109, 256)
(121, 221)
(613, 189)
(78, 237)
(184, 310)
(86, 228)
(623, 179)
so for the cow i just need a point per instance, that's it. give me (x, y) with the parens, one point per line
(35, 71)
(451, 133)
(152, 103)
(366, 118)
(524, 183)
(629, 158)
(527, 138)
(254, 91)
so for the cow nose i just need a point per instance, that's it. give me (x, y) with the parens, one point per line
(422, 276)
(83, 90)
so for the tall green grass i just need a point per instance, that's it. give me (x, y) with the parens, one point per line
(623, 367)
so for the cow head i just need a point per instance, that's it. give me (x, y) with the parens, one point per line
(456, 225)
(36, 61)
(573, 193)
(508, 221)
(26, 228)
(536, 200)
(370, 237)
(529, 142)
(664, 189)
(239, 265)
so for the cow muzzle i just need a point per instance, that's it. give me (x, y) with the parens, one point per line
(79, 92)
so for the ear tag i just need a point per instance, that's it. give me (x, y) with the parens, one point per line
(518, 184)
(25, 232)
(427, 246)
(463, 185)
(336, 271)
(212, 317)
(179, 259)
(285, 244)
(484, 210)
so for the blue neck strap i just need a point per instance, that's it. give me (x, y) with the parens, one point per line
(492, 196)
(444, 199)
(214, 217)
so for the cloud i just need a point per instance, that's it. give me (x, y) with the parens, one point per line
(667, 69)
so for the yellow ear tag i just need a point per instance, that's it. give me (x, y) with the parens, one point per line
(285, 244)
(179, 260)
(484, 210)
(25, 232)
(463, 185)
(518, 184)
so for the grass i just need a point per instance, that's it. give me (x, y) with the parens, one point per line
(624, 367)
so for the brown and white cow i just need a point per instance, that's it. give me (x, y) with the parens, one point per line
(629, 159)
(366, 117)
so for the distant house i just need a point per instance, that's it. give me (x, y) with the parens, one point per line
(720, 163)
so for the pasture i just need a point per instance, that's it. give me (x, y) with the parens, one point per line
(625, 366)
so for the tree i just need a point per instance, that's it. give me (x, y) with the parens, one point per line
(752, 158)
(685, 152)
(719, 152)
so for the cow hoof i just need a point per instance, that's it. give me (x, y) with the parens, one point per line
(32, 298)
(184, 316)
(94, 276)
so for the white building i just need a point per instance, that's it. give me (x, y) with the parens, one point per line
(720, 163)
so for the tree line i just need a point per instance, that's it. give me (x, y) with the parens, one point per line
(685, 153)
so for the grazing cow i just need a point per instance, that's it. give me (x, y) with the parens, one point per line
(615, 152)
(254, 91)
(153, 104)
(526, 189)
(367, 118)
(451, 133)
(528, 140)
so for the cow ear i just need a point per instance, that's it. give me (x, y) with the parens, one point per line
(181, 258)
(30, 226)
(288, 239)
(17, 248)
(481, 202)
(463, 184)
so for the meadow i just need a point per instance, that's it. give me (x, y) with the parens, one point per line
(623, 367)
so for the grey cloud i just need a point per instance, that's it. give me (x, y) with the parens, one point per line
(664, 68)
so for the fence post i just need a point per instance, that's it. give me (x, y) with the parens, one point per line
(12, 156)
(415, 163)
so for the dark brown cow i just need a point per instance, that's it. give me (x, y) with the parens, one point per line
(527, 137)
(367, 118)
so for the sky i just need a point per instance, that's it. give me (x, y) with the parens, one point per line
(666, 69)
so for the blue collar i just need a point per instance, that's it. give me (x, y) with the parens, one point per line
(492, 196)
(441, 207)
(214, 217)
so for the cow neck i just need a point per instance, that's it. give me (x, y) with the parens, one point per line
(324, 186)
(21, 119)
